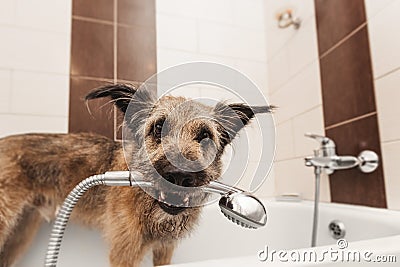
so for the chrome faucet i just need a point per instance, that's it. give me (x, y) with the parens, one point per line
(325, 157)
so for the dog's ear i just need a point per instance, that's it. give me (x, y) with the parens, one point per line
(121, 94)
(233, 117)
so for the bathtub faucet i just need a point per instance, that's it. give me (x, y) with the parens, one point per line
(325, 157)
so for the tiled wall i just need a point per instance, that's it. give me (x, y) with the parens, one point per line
(34, 65)
(350, 115)
(295, 87)
(112, 41)
(230, 32)
(383, 24)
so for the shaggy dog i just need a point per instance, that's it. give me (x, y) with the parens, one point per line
(39, 170)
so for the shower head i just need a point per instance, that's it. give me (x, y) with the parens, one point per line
(243, 209)
(239, 206)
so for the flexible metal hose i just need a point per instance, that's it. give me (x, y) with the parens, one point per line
(53, 248)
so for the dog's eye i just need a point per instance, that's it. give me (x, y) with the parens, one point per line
(158, 128)
(204, 134)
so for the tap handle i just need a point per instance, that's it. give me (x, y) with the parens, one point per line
(323, 140)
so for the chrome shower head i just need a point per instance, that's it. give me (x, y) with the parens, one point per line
(243, 209)
(239, 206)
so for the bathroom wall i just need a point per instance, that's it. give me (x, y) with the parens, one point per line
(295, 87)
(34, 65)
(230, 32)
(349, 107)
(112, 41)
(383, 20)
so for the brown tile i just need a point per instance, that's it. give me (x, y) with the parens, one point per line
(96, 9)
(101, 120)
(336, 19)
(347, 81)
(137, 12)
(92, 49)
(137, 57)
(353, 186)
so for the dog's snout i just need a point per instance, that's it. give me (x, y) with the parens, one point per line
(181, 179)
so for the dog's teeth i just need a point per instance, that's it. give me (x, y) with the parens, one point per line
(186, 200)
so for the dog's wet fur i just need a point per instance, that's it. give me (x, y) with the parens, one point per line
(39, 170)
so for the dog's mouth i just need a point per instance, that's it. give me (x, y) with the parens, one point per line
(173, 203)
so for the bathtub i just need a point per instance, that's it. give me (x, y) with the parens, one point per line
(218, 242)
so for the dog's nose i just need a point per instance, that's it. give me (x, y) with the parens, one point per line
(181, 179)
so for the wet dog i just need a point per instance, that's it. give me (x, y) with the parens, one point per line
(39, 170)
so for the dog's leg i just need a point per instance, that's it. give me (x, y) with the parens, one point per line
(20, 237)
(14, 197)
(127, 251)
(162, 253)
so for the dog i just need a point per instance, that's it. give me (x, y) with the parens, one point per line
(39, 170)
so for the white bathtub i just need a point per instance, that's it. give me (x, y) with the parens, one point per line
(218, 242)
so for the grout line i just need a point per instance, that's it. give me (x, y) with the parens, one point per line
(351, 120)
(351, 34)
(291, 158)
(92, 20)
(92, 78)
(298, 114)
(388, 142)
(34, 115)
(115, 62)
(387, 73)
(298, 73)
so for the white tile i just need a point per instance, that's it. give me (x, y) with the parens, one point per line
(256, 71)
(278, 70)
(40, 94)
(169, 57)
(299, 95)
(7, 11)
(284, 141)
(182, 8)
(267, 189)
(190, 92)
(34, 50)
(384, 40)
(373, 7)
(227, 61)
(249, 14)
(19, 124)
(224, 40)
(309, 122)
(176, 33)
(45, 15)
(216, 10)
(291, 176)
(387, 99)
(303, 47)
(390, 154)
(5, 91)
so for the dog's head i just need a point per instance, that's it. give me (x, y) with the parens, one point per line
(183, 140)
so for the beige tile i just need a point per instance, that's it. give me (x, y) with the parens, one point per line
(309, 122)
(384, 41)
(291, 176)
(19, 124)
(36, 93)
(278, 71)
(284, 141)
(303, 47)
(373, 7)
(387, 96)
(5, 90)
(301, 94)
(390, 154)
(7, 12)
